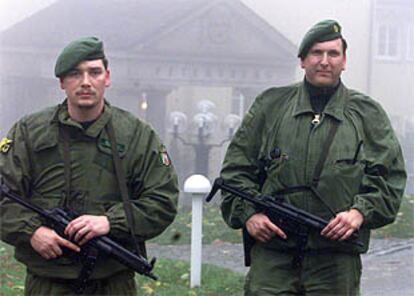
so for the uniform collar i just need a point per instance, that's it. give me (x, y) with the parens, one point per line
(334, 107)
(62, 116)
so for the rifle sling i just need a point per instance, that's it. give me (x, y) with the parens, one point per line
(301, 240)
(324, 154)
(120, 174)
(66, 161)
(317, 172)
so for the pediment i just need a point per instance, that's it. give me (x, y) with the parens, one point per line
(174, 28)
(226, 29)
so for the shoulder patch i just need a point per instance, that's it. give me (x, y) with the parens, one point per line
(5, 145)
(165, 159)
(247, 119)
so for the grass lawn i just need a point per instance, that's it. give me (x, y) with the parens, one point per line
(214, 228)
(174, 275)
(12, 273)
(174, 278)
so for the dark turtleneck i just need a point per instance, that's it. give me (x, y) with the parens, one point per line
(319, 96)
(87, 124)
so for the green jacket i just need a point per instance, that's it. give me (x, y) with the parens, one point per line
(371, 181)
(34, 168)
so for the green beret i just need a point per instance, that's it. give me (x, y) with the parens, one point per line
(82, 49)
(323, 31)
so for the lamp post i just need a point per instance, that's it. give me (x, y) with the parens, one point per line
(205, 122)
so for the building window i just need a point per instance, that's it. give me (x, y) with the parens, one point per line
(388, 41)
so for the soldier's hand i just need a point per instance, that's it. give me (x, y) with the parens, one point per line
(262, 229)
(86, 227)
(48, 243)
(343, 225)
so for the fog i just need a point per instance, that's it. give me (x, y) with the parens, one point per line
(192, 68)
(171, 58)
(179, 64)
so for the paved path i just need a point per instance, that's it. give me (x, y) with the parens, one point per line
(388, 268)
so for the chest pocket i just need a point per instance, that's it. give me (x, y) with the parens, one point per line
(273, 158)
(46, 159)
(342, 179)
(106, 176)
(104, 157)
(342, 176)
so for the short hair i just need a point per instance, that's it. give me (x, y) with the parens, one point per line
(106, 62)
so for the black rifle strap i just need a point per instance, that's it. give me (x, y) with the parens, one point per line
(120, 174)
(248, 241)
(321, 162)
(66, 165)
(324, 154)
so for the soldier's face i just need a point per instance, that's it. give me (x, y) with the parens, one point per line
(85, 85)
(324, 63)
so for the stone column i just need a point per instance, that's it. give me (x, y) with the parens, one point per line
(249, 95)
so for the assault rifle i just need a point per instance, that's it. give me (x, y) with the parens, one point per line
(58, 219)
(288, 217)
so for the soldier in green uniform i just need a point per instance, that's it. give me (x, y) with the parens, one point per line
(62, 156)
(328, 150)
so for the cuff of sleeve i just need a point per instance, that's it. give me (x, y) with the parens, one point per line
(116, 224)
(249, 211)
(364, 208)
(30, 227)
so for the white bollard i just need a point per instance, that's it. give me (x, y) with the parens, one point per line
(198, 186)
